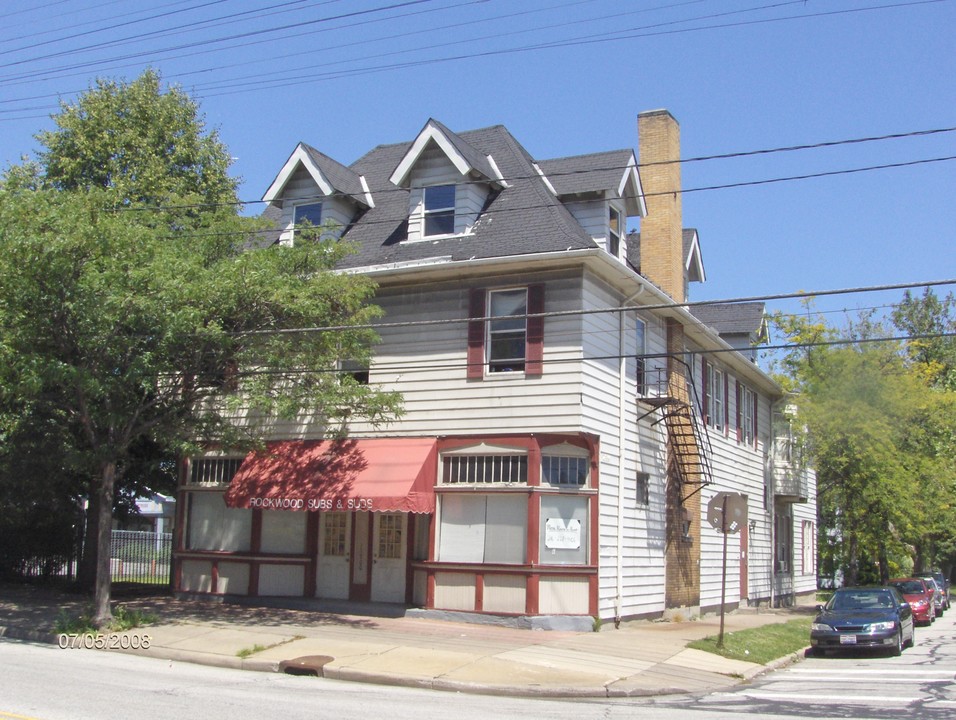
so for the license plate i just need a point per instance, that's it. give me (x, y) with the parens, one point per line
(848, 639)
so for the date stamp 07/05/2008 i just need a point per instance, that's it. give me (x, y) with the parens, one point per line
(90, 641)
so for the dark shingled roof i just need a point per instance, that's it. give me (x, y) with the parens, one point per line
(523, 218)
(587, 173)
(633, 241)
(731, 319)
(342, 179)
(472, 156)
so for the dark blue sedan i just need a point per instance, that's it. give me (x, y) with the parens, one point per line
(864, 618)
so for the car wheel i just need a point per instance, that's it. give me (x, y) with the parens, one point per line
(898, 648)
(912, 641)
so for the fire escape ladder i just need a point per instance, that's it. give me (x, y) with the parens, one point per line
(688, 440)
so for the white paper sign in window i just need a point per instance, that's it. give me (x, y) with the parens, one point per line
(561, 534)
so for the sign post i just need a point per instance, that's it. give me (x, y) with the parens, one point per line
(726, 512)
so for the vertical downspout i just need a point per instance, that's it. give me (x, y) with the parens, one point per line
(621, 433)
(772, 501)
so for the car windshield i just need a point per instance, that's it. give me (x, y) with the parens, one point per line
(910, 587)
(861, 599)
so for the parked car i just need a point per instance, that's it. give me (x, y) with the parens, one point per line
(864, 617)
(943, 583)
(939, 602)
(920, 597)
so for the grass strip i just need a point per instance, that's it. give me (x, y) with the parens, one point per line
(760, 645)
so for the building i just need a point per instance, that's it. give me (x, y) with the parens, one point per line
(568, 418)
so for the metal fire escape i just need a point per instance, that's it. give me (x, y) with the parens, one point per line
(671, 392)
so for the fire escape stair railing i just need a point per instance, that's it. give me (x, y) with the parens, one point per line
(686, 433)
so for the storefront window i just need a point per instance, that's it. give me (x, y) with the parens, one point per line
(483, 528)
(213, 526)
(564, 530)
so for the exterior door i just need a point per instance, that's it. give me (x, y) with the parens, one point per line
(388, 557)
(332, 578)
(360, 577)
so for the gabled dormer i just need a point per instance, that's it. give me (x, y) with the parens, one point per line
(601, 191)
(449, 182)
(313, 187)
(692, 259)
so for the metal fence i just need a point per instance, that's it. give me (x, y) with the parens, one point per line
(135, 557)
(141, 557)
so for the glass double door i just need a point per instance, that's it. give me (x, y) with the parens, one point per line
(362, 556)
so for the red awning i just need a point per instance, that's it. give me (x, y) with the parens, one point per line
(377, 474)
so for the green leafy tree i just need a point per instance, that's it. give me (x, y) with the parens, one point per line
(875, 429)
(172, 330)
(930, 323)
(148, 145)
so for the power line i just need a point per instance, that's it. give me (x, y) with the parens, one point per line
(604, 36)
(622, 168)
(428, 366)
(619, 309)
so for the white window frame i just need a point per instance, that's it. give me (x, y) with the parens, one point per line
(783, 543)
(442, 211)
(715, 397)
(296, 220)
(615, 237)
(503, 328)
(747, 397)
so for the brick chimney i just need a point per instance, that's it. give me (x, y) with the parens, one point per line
(662, 254)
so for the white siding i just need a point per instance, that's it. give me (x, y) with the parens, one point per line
(427, 364)
(641, 541)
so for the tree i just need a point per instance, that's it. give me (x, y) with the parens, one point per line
(931, 356)
(931, 324)
(128, 328)
(875, 430)
(146, 145)
(148, 148)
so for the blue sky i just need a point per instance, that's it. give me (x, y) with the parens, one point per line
(569, 77)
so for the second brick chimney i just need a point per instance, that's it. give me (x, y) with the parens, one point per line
(662, 254)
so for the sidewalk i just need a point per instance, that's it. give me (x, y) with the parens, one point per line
(641, 658)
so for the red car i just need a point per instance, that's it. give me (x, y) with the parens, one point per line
(920, 597)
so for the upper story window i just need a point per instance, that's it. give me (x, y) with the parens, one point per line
(615, 229)
(439, 202)
(640, 374)
(507, 329)
(310, 213)
(748, 404)
(714, 396)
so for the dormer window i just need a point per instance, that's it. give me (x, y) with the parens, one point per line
(615, 226)
(310, 213)
(439, 210)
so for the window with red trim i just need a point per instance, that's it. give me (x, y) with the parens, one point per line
(506, 331)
